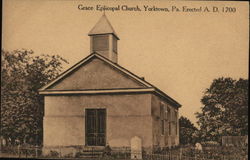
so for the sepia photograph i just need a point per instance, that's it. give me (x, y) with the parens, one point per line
(124, 80)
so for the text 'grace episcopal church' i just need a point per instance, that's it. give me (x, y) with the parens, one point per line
(97, 102)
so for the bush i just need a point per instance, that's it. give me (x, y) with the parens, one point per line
(53, 154)
(70, 155)
(78, 154)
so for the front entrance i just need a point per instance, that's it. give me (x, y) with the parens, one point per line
(95, 127)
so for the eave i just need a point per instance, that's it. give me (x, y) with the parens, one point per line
(96, 91)
(110, 91)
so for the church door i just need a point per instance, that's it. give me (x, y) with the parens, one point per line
(95, 127)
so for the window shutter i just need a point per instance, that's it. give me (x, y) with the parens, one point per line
(161, 112)
(168, 114)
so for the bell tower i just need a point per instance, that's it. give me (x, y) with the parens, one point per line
(103, 39)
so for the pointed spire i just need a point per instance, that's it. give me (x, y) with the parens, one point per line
(103, 26)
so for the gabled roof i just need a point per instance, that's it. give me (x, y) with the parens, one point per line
(148, 87)
(103, 26)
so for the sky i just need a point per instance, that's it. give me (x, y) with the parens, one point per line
(179, 52)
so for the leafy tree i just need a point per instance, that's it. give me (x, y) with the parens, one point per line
(188, 132)
(22, 74)
(225, 109)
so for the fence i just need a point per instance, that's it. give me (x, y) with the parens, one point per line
(234, 140)
(21, 151)
(195, 157)
(183, 153)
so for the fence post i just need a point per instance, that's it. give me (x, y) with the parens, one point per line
(92, 150)
(36, 149)
(60, 151)
(169, 154)
(18, 150)
(180, 154)
(26, 151)
(126, 152)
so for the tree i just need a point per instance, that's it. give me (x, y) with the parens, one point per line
(225, 109)
(22, 74)
(188, 131)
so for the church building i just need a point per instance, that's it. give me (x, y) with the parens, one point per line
(97, 102)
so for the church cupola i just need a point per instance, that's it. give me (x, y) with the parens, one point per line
(103, 39)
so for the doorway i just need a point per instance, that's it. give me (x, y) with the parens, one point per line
(95, 127)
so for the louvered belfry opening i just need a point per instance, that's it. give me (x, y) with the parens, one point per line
(100, 43)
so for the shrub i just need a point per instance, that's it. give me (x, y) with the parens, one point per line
(53, 154)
